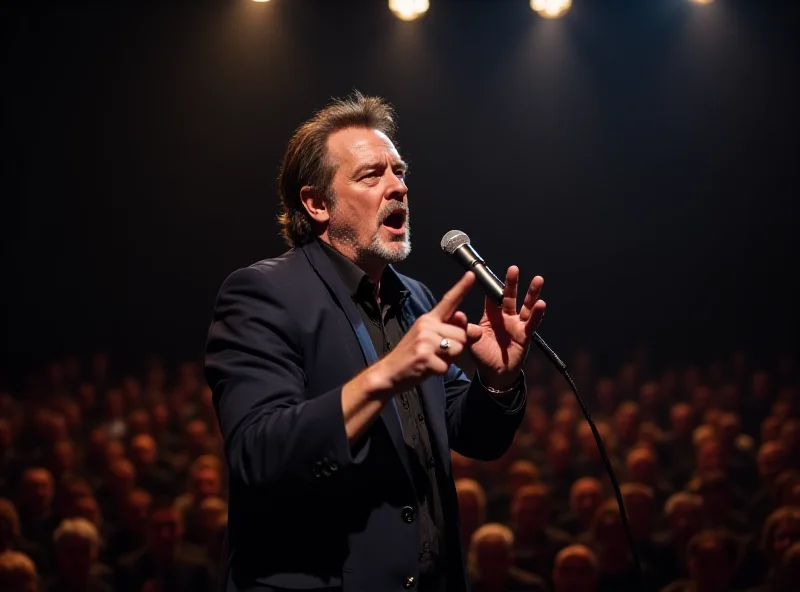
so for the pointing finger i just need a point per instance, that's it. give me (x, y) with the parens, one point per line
(453, 298)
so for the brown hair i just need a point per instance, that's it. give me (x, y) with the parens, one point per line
(306, 160)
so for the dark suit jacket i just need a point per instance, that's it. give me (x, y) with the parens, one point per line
(306, 511)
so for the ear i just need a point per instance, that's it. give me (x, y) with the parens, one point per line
(314, 203)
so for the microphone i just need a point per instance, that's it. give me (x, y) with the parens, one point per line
(456, 244)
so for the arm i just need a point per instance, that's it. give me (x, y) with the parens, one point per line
(254, 366)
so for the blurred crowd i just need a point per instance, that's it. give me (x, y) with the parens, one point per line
(112, 482)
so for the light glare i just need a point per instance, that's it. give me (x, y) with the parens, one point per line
(260, 0)
(409, 10)
(702, 1)
(551, 8)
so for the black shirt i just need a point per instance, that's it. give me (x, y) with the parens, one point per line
(382, 318)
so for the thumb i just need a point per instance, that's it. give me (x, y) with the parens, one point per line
(474, 333)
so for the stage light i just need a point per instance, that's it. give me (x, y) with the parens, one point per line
(551, 8)
(260, 0)
(701, 1)
(409, 10)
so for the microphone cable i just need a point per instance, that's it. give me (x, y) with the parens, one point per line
(562, 368)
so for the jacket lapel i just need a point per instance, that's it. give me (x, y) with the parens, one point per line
(390, 414)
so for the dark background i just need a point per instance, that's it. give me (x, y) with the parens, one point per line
(641, 156)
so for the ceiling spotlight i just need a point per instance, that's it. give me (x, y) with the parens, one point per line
(702, 1)
(409, 10)
(260, 0)
(551, 8)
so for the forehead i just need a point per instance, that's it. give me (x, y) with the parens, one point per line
(353, 146)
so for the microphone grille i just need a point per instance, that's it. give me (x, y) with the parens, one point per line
(452, 240)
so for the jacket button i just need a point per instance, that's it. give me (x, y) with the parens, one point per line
(408, 515)
(409, 583)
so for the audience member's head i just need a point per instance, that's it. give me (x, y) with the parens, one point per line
(576, 569)
(471, 505)
(626, 423)
(711, 558)
(608, 534)
(37, 491)
(463, 467)
(640, 507)
(121, 478)
(709, 457)
(781, 530)
(135, 512)
(143, 452)
(684, 514)
(642, 466)
(558, 453)
(520, 473)
(18, 573)
(165, 530)
(771, 461)
(539, 424)
(682, 421)
(138, 423)
(564, 421)
(606, 393)
(77, 546)
(650, 397)
(9, 525)
(530, 510)
(491, 553)
(585, 497)
(786, 573)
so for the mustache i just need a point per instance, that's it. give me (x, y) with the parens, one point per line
(388, 211)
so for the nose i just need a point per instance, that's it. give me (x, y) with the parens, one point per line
(396, 188)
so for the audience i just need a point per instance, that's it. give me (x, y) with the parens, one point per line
(118, 482)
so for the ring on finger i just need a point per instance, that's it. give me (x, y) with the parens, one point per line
(444, 344)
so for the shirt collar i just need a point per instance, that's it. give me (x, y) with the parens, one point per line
(357, 282)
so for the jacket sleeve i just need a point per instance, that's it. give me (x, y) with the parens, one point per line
(479, 425)
(274, 433)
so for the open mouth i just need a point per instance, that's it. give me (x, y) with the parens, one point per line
(396, 220)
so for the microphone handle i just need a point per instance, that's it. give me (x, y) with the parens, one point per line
(471, 261)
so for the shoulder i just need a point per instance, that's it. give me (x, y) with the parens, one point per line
(272, 275)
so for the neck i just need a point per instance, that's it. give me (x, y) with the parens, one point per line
(372, 266)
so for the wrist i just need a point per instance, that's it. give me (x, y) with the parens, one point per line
(500, 384)
(376, 381)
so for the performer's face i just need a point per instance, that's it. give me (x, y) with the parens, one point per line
(368, 219)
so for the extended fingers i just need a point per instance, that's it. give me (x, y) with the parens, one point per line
(531, 298)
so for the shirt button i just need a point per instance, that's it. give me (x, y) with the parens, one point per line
(408, 514)
(431, 463)
(420, 417)
(409, 583)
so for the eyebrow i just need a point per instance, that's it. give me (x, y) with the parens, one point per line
(399, 164)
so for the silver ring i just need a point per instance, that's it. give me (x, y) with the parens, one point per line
(444, 344)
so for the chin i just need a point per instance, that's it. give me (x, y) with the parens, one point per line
(394, 251)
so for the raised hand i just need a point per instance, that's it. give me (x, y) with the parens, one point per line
(499, 342)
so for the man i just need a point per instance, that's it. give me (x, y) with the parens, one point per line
(334, 383)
